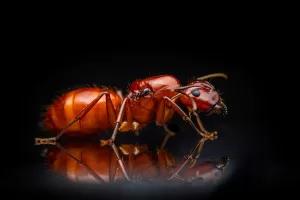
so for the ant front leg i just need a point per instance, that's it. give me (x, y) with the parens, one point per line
(193, 159)
(161, 119)
(208, 136)
(189, 158)
(80, 116)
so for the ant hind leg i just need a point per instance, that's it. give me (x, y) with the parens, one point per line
(39, 141)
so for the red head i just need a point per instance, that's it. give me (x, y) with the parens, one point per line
(204, 95)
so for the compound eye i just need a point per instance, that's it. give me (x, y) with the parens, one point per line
(146, 92)
(196, 93)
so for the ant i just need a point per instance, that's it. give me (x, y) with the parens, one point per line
(150, 99)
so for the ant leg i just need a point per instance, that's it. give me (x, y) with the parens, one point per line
(114, 163)
(77, 118)
(166, 138)
(113, 167)
(120, 161)
(193, 110)
(160, 115)
(210, 136)
(167, 130)
(82, 164)
(212, 76)
(201, 142)
(160, 119)
(200, 125)
(131, 151)
(115, 121)
(164, 162)
(205, 134)
(117, 124)
(111, 141)
(193, 159)
(131, 158)
(164, 113)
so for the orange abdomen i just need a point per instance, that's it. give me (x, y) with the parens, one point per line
(69, 105)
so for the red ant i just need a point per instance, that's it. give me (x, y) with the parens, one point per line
(153, 98)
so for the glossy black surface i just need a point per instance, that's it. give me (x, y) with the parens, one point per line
(245, 134)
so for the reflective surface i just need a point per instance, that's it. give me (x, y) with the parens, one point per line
(88, 162)
(243, 135)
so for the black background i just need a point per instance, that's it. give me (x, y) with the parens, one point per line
(246, 134)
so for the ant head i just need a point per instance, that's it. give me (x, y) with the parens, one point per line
(204, 95)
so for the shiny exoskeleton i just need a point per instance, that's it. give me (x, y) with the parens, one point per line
(92, 110)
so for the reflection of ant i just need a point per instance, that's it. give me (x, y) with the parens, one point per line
(96, 163)
(151, 99)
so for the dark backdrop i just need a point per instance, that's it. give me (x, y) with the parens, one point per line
(245, 134)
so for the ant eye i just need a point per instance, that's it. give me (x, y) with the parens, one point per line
(145, 92)
(196, 93)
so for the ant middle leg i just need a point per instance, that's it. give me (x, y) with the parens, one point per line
(116, 122)
(163, 114)
(168, 114)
